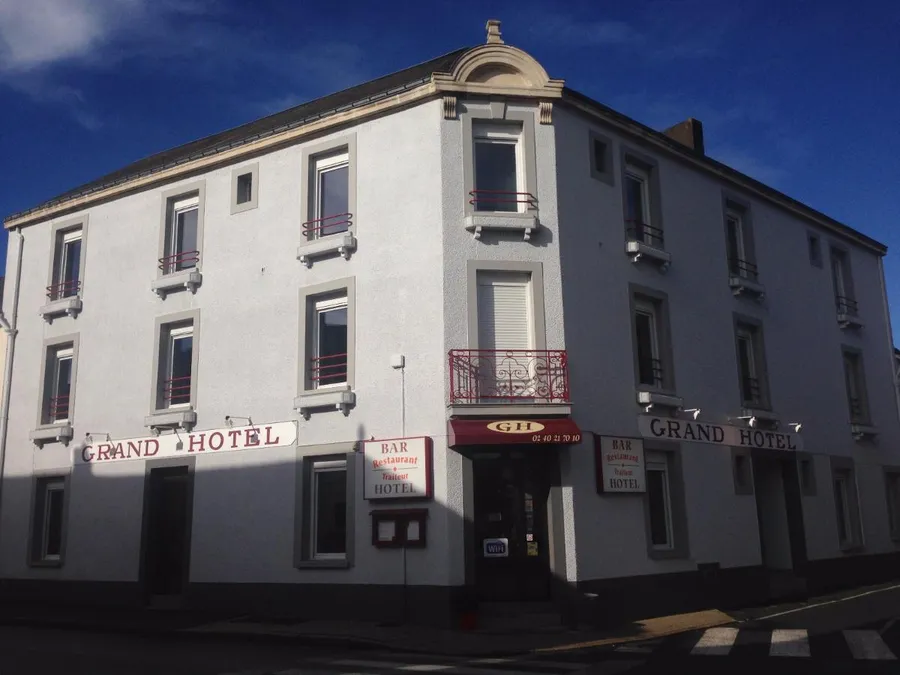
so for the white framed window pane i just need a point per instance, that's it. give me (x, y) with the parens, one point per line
(647, 344)
(747, 363)
(842, 506)
(244, 188)
(329, 505)
(71, 266)
(496, 175)
(185, 239)
(62, 386)
(660, 506)
(735, 231)
(329, 363)
(53, 519)
(181, 346)
(635, 188)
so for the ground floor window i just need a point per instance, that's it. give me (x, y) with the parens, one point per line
(48, 521)
(893, 498)
(325, 532)
(659, 501)
(664, 511)
(846, 505)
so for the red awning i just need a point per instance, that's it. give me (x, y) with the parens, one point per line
(512, 431)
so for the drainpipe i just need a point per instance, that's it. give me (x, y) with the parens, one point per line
(9, 326)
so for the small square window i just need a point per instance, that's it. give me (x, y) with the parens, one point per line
(815, 250)
(244, 188)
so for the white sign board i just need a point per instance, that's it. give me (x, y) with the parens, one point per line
(398, 468)
(670, 429)
(496, 548)
(621, 464)
(213, 441)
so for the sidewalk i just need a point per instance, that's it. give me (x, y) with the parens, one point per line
(483, 642)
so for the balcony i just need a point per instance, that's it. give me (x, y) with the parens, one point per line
(178, 271)
(517, 381)
(63, 298)
(847, 312)
(743, 278)
(502, 211)
(329, 387)
(645, 242)
(326, 236)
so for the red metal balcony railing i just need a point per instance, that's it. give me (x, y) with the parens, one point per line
(177, 390)
(179, 261)
(322, 227)
(330, 369)
(58, 408)
(501, 200)
(63, 289)
(652, 236)
(509, 376)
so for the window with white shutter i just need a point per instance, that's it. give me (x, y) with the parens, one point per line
(504, 311)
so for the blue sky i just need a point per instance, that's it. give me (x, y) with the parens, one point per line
(801, 95)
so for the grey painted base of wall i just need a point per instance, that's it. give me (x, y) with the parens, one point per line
(602, 602)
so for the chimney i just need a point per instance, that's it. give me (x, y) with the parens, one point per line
(689, 133)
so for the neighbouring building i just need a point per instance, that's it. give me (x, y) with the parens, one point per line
(455, 335)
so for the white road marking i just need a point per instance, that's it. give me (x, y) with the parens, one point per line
(715, 642)
(868, 645)
(789, 642)
(823, 604)
(389, 665)
(425, 667)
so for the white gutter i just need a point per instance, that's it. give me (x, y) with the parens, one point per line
(10, 328)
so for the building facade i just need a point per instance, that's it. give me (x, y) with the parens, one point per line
(454, 336)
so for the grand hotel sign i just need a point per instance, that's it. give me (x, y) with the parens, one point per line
(670, 429)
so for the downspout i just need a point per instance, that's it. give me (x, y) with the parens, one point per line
(10, 328)
(890, 336)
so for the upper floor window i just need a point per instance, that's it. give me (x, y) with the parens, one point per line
(60, 360)
(814, 245)
(181, 245)
(638, 217)
(331, 200)
(647, 343)
(177, 367)
(244, 188)
(751, 366)
(843, 283)
(66, 265)
(854, 381)
(740, 256)
(499, 177)
(328, 358)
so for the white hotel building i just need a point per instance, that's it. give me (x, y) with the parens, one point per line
(624, 378)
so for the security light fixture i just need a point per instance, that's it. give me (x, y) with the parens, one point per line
(796, 425)
(695, 412)
(89, 436)
(253, 436)
(750, 419)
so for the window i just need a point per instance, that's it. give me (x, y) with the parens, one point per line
(60, 361)
(328, 360)
(739, 254)
(499, 181)
(846, 504)
(601, 158)
(892, 491)
(815, 250)
(176, 378)
(659, 503)
(181, 245)
(647, 347)
(638, 217)
(67, 265)
(331, 198)
(807, 472)
(854, 380)
(328, 510)
(48, 524)
(843, 284)
(743, 475)
(244, 188)
(751, 366)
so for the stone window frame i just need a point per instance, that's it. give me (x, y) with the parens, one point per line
(607, 173)
(308, 157)
(161, 326)
(813, 240)
(675, 471)
(742, 457)
(39, 479)
(306, 458)
(734, 203)
(538, 318)
(308, 297)
(857, 353)
(660, 300)
(847, 466)
(236, 173)
(169, 197)
(629, 156)
(809, 489)
(761, 362)
(837, 250)
(56, 233)
(51, 345)
(892, 473)
(498, 113)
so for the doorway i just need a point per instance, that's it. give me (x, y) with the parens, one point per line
(779, 513)
(511, 488)
(166, 545)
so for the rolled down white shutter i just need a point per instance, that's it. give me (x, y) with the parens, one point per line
(504, 316)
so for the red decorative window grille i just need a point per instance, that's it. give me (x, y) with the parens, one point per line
(330, 369)
(179, 261)
(58, 408)
(63, 289)
(501, 200)
(177, 390)
(322, 227)
(509, 375)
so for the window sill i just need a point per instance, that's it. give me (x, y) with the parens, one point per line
(668, 554)
(863, 432)
(71, 306)
(506, 409)
(852, 549)
(189, 279)
(337, 398)
(323, 564)
(741, 286)
(51, 564)
(344, 244)
(52, 433)
(526, 223)
(850, 321)
(639, 251)
(181, 418)
(652, 399)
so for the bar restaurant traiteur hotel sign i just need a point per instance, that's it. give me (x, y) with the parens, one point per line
(669, 429)
(398, 468)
